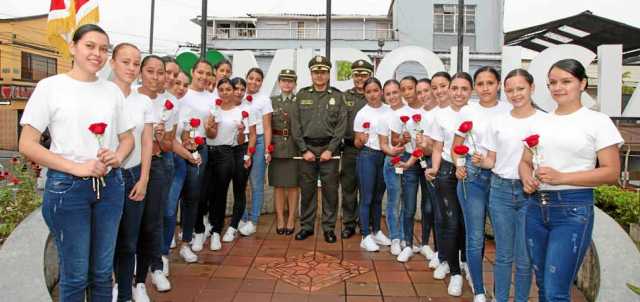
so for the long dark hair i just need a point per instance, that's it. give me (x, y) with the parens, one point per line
(527, 77)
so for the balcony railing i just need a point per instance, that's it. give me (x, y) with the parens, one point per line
(302, 34)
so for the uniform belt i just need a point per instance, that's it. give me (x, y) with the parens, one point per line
(317, 142)
(283, 132)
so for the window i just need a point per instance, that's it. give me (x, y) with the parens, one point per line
(223, 30)
(36, 68)
(445, 18)
(300, 30)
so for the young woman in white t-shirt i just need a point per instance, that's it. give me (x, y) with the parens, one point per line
(195, 109)
(394, 213)
(370, 162)
(559, 219)
(442, 132)
(260, 104)
(507, 201)
(84, 193)
(473, 192)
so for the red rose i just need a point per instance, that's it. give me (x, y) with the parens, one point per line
(404, 119)
(14, 160)
(194, 122)
(251, 150)
(15, 181)
(1, 177)
(417, 118)
(366, 125)
(98, 128)
(532, 140)
(461, 149)
(395, 160)
(270, 148)
(168, 105)
(466, 126)
(418, 153)
(249, 98)
(245, 114)
(5, 174)
(218, 102)
(199, 140)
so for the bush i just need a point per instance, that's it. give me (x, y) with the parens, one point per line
(18, 195)
(621, 205)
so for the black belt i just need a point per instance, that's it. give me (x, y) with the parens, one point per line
(219, 147)
(317, 142)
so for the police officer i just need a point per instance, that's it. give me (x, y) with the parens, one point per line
(318, 127)
(361, 70)
(283, 169)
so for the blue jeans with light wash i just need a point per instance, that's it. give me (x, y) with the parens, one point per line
(85, 230)
(369, 166)
(507, 210)
(558, 233)
(474, 204)
(258, 168)
(170, 212)
(410, 180)
(127, 242)
(394, 211)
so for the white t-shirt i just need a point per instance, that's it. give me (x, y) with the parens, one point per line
(68, 107)
(228, 121)
(374, 116)
(195, 105)
(480, 116)
(569, 143)
(253, 119)
(411, 126)
(504, 136)
(140, 111)
(160, 113)
(443, 130)
(261, 106)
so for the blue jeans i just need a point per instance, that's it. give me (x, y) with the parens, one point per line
(127, 242)
(394, 209)
(507, 210)
(179, 175)
(558, 235)
(369, 165)
(258, 168)
(85, 230)
(474, 210)
(193, 182)
(410, 180)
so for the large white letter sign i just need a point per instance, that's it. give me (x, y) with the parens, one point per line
(610, 79)
(633, 107)
(303, 56)
(429, 60)
(242, 62)
(540, 65)
(283, 58)
(511, 59)
(453, 59)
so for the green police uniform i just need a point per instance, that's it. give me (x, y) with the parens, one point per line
(354, 101)
(319, 124)
(283, 169)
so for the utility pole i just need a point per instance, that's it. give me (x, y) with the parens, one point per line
(203, 31)
(460, 33)
(153, 9)
(328, 33)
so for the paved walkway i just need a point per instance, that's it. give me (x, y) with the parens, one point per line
(271, 267)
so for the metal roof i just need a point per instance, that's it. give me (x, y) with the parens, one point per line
(584, 29)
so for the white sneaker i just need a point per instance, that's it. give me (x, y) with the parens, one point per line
(198, 242)
(405, 255)
(455, 286)
(187, 254)
(173, 242)
(441, 271)
(114, 293)
(381, 239)
(435, 261)
(248, 229)
(241, 224)
(369, 244)
(395, 247)
(415, 249)
(479, 298)
(427, 252)
(160, 281)
(215, 244)
(140, 293)
(165, 265)
(229, 235)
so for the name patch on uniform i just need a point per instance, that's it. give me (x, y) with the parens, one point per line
(306, 102)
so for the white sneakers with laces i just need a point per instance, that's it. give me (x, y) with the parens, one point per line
(427, 252)
(229, 235)
(139, 293)
(455, 286)
(368, 244)
(479, 298)
(187, 254)
(381, 239)
(441, 271)
(160, 281)
(247, 229)
(405, 255)
(215, 244)
(198, 242)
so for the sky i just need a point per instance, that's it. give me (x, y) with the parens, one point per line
(128, 20)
